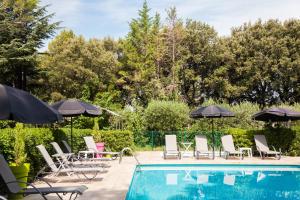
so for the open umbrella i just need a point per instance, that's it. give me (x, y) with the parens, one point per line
(277, 115)
(212, 112)
(23, 107)
(74, 107)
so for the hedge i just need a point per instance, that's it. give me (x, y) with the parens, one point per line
(286, 139)
(116, 140)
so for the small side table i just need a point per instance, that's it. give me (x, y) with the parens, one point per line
(186, 146)
(248, 150)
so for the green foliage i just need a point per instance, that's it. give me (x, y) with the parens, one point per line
(23, 26)
(243, 117)
(75, 67)
(295, 146)
(166, 115)
(283, 138)
(19, 147)
(241, 137)
(135, 122)
(115, 140)
(32, 137)
(264, 61)
(78, 134)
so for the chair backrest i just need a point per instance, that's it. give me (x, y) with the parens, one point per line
(57, 148)
(201, 143)
(227, 143)
(90, 143)
(67, 146)
(171, 143)
(261, 143)
(8, 176)
(47, 158)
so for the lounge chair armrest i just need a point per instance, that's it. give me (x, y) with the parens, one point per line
(27, 184)
(274, 148)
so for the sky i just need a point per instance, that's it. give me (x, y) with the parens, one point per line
(101, 18)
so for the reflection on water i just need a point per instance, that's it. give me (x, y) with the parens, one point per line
(199, 184)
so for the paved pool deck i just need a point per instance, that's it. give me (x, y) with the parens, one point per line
(114, 183)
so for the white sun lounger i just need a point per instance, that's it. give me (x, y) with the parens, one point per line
(201, 148)
(229, 148)
(263, 148)
(171, 147)
(65, 168)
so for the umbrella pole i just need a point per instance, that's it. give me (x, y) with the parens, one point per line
(213, 137)
(72, 134)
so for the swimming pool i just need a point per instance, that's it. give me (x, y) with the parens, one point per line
(193, 182)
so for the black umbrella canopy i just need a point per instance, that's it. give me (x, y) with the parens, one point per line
(23, 107)
(277, 115)
(211, 111)
(75, 107)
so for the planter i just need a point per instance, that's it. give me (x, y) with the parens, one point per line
(19, 171)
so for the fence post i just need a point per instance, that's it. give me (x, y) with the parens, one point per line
(152, 140)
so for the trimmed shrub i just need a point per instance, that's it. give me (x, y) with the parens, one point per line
(166, 115)
(241, 137)
(115, 140)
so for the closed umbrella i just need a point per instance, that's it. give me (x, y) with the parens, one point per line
(212, 112)
(277, 115)
(74, 107)
(23, 107)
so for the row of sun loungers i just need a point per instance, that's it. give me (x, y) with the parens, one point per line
(201, 147)
(67, 163)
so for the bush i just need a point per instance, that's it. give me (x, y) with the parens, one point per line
(166, 116)
(115, 140)
(32, 138)
(241, 137)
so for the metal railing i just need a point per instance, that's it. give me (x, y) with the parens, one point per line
(128, 149)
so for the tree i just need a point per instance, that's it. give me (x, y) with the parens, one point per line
(200, 61)
(76, 68)
(137, 77)
(23, 27)
(265, 62)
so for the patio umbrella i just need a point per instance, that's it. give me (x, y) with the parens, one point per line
(276, 115)
(212, 112)
(23, 107)
(74, 107)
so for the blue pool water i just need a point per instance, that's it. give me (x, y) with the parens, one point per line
(226, 182)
